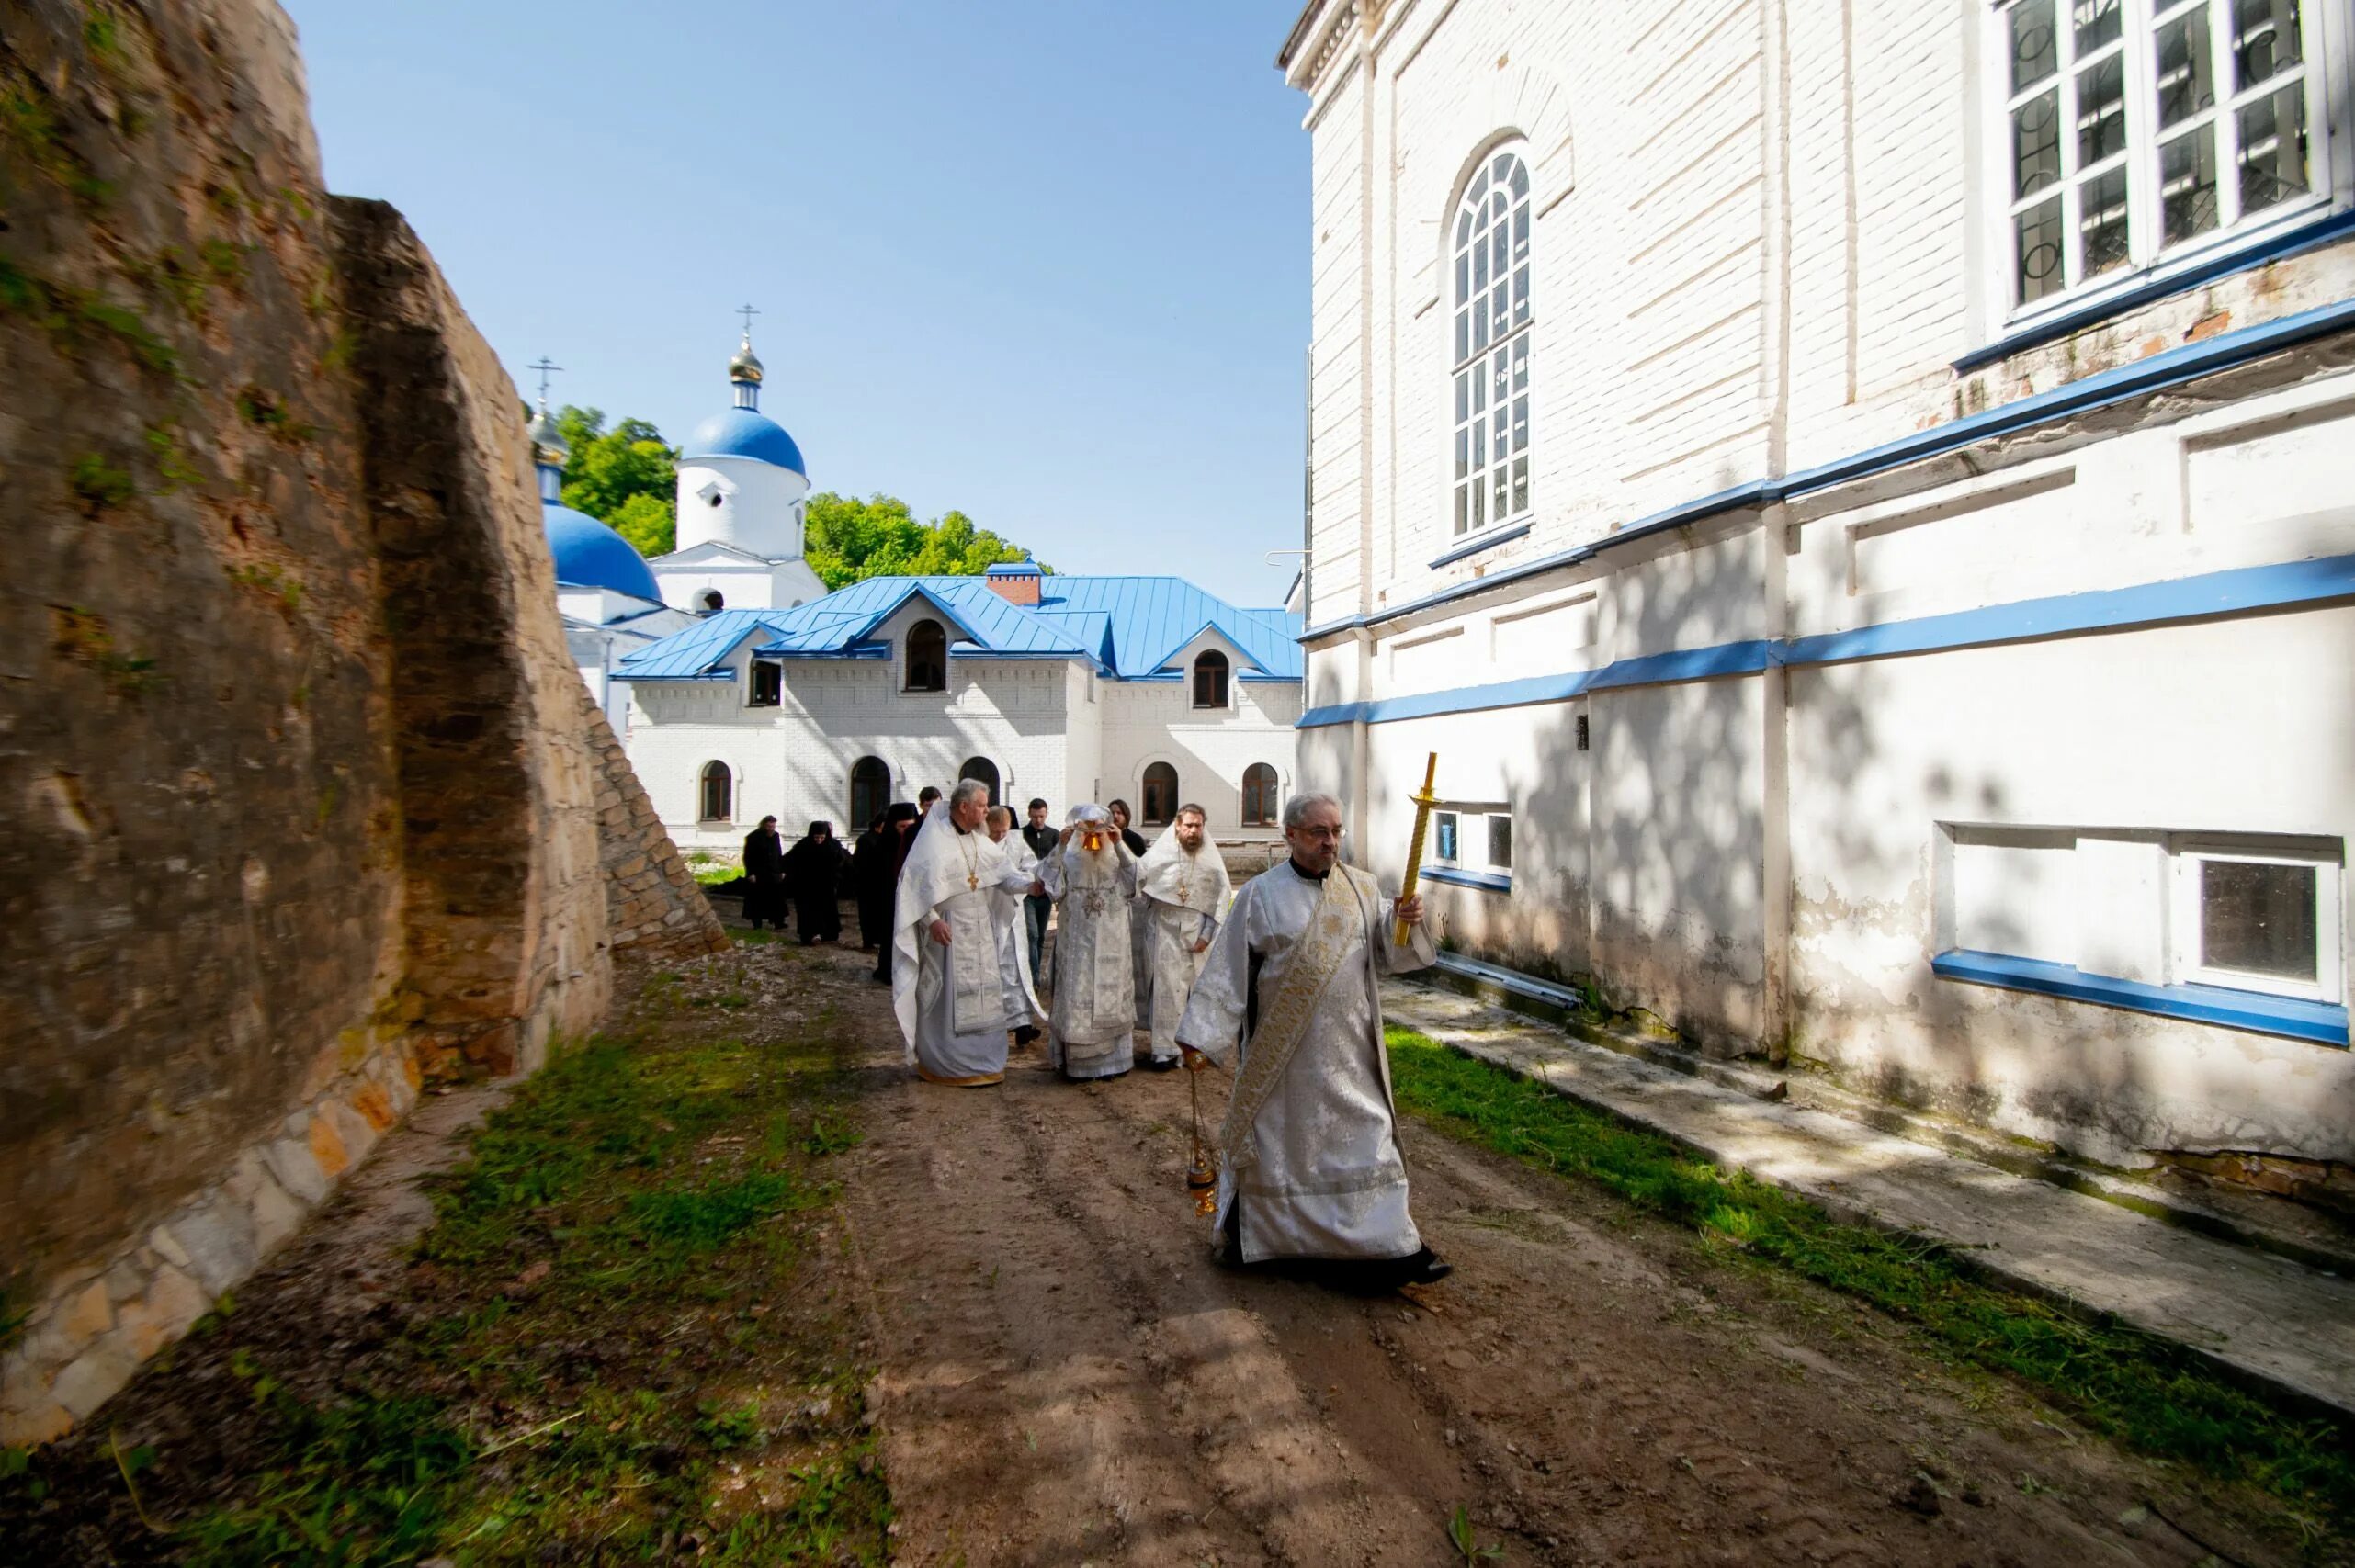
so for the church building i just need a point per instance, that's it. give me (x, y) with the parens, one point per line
(1858, 498)
(744, 688)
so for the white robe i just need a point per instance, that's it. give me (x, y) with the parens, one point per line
(954, 1004)
(1180, 898)
(1091, 1022)
(1317, 1173)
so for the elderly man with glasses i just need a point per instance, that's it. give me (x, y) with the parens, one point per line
(1291, 988)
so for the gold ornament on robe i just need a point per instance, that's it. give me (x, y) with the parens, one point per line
(1425, 800)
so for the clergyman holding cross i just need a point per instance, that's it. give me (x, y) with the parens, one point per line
(1310, 1165)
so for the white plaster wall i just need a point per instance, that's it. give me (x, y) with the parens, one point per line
(1155, 721)
(2067, 734)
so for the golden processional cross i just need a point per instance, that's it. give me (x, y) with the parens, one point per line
(1425, 800)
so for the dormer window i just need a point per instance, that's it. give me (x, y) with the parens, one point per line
(927, 658)
(1210, 672)
(768, 683)
(714, 600)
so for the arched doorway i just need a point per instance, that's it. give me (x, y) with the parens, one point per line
(870, 793)
(983, 769)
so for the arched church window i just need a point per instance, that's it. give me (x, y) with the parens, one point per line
(718, 793)
(1492, 344)
(983, 769)
(714, 600)
(1160, 794)
(870, 791)
(927, 658)
(1210, 679)
(1259, 796)
(714, 498)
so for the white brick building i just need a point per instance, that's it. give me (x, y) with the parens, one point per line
(1069, 688)
(1858, 495)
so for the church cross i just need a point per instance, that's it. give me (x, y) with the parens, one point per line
(544, 366)
(748, 313)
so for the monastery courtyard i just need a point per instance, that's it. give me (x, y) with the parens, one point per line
(737, 1288)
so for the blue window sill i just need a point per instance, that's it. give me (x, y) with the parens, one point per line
(1489, 882)
(1474, 545)
(2320, 1022)
(2321, 230)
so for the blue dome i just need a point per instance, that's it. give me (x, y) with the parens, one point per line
(589, 555)
(744, 433)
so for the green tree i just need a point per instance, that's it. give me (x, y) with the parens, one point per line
(625, 477)
(847, 540)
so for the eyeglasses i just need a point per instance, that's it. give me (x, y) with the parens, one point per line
(1335, 834)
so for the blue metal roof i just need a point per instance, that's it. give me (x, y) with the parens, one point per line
(589, 555)
(744, 433)
(1127, 627)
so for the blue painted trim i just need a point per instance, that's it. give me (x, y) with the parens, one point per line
(2320, 1022)
(2247, 258)
(2234, 592)
(1488, 882)
(2239, 592)
(2167, 368)
(722, 677)
(1483, 541)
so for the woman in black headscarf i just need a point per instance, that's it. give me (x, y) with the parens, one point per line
(765, 870)
(813, 872)
(878, 883)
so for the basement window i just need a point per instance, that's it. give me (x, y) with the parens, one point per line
(2256, 921)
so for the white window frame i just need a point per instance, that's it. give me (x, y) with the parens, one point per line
(1490, 848)
(1454, 820)
(2326, 32)
(2187, 969)
(1490, 390)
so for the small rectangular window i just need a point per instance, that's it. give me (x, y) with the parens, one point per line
(2256, 920)
(1499, 841)
(1445, 837)
(768, 683)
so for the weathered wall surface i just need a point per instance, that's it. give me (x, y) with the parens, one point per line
(300, 800)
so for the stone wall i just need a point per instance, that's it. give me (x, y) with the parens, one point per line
(302, 797)
(653, 901)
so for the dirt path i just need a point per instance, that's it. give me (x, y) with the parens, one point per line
(1066, 1378)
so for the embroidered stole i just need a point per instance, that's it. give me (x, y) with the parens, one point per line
(1284, 1020)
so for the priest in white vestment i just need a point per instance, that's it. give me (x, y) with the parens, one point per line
(960, 977)
(1310, 1165)
(1183, 889)
(1092, 879)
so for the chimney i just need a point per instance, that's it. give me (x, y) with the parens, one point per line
(1016, 582)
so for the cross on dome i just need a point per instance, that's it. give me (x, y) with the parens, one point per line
(744, 369)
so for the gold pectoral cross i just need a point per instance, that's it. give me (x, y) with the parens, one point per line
(973, 880)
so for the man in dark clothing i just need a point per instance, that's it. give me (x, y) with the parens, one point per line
(813, 879)
(1043, 842)
(899, 826)
(871, 887)
(765, 869)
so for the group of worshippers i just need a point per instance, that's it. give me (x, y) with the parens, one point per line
(1280, 979)
(809, 878)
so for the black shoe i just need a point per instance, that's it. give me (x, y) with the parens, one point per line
(1162, 1064)
(1425, 1268)
(1025, 1034)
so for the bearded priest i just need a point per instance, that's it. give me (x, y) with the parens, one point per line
(1183, 879)
(959, 979)
(1310, 1167)
(1092, 879)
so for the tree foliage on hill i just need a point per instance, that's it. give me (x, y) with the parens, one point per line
(626, 478)
(847, 540)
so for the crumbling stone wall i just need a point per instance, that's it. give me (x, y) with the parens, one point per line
(653, 901)
(297, 801)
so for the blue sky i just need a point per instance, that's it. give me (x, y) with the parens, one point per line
(1044, 262)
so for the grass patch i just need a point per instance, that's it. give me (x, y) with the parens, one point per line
(2144, 1391)
(604, 1350)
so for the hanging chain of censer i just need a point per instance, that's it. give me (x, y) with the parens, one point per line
(1202, 1176)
